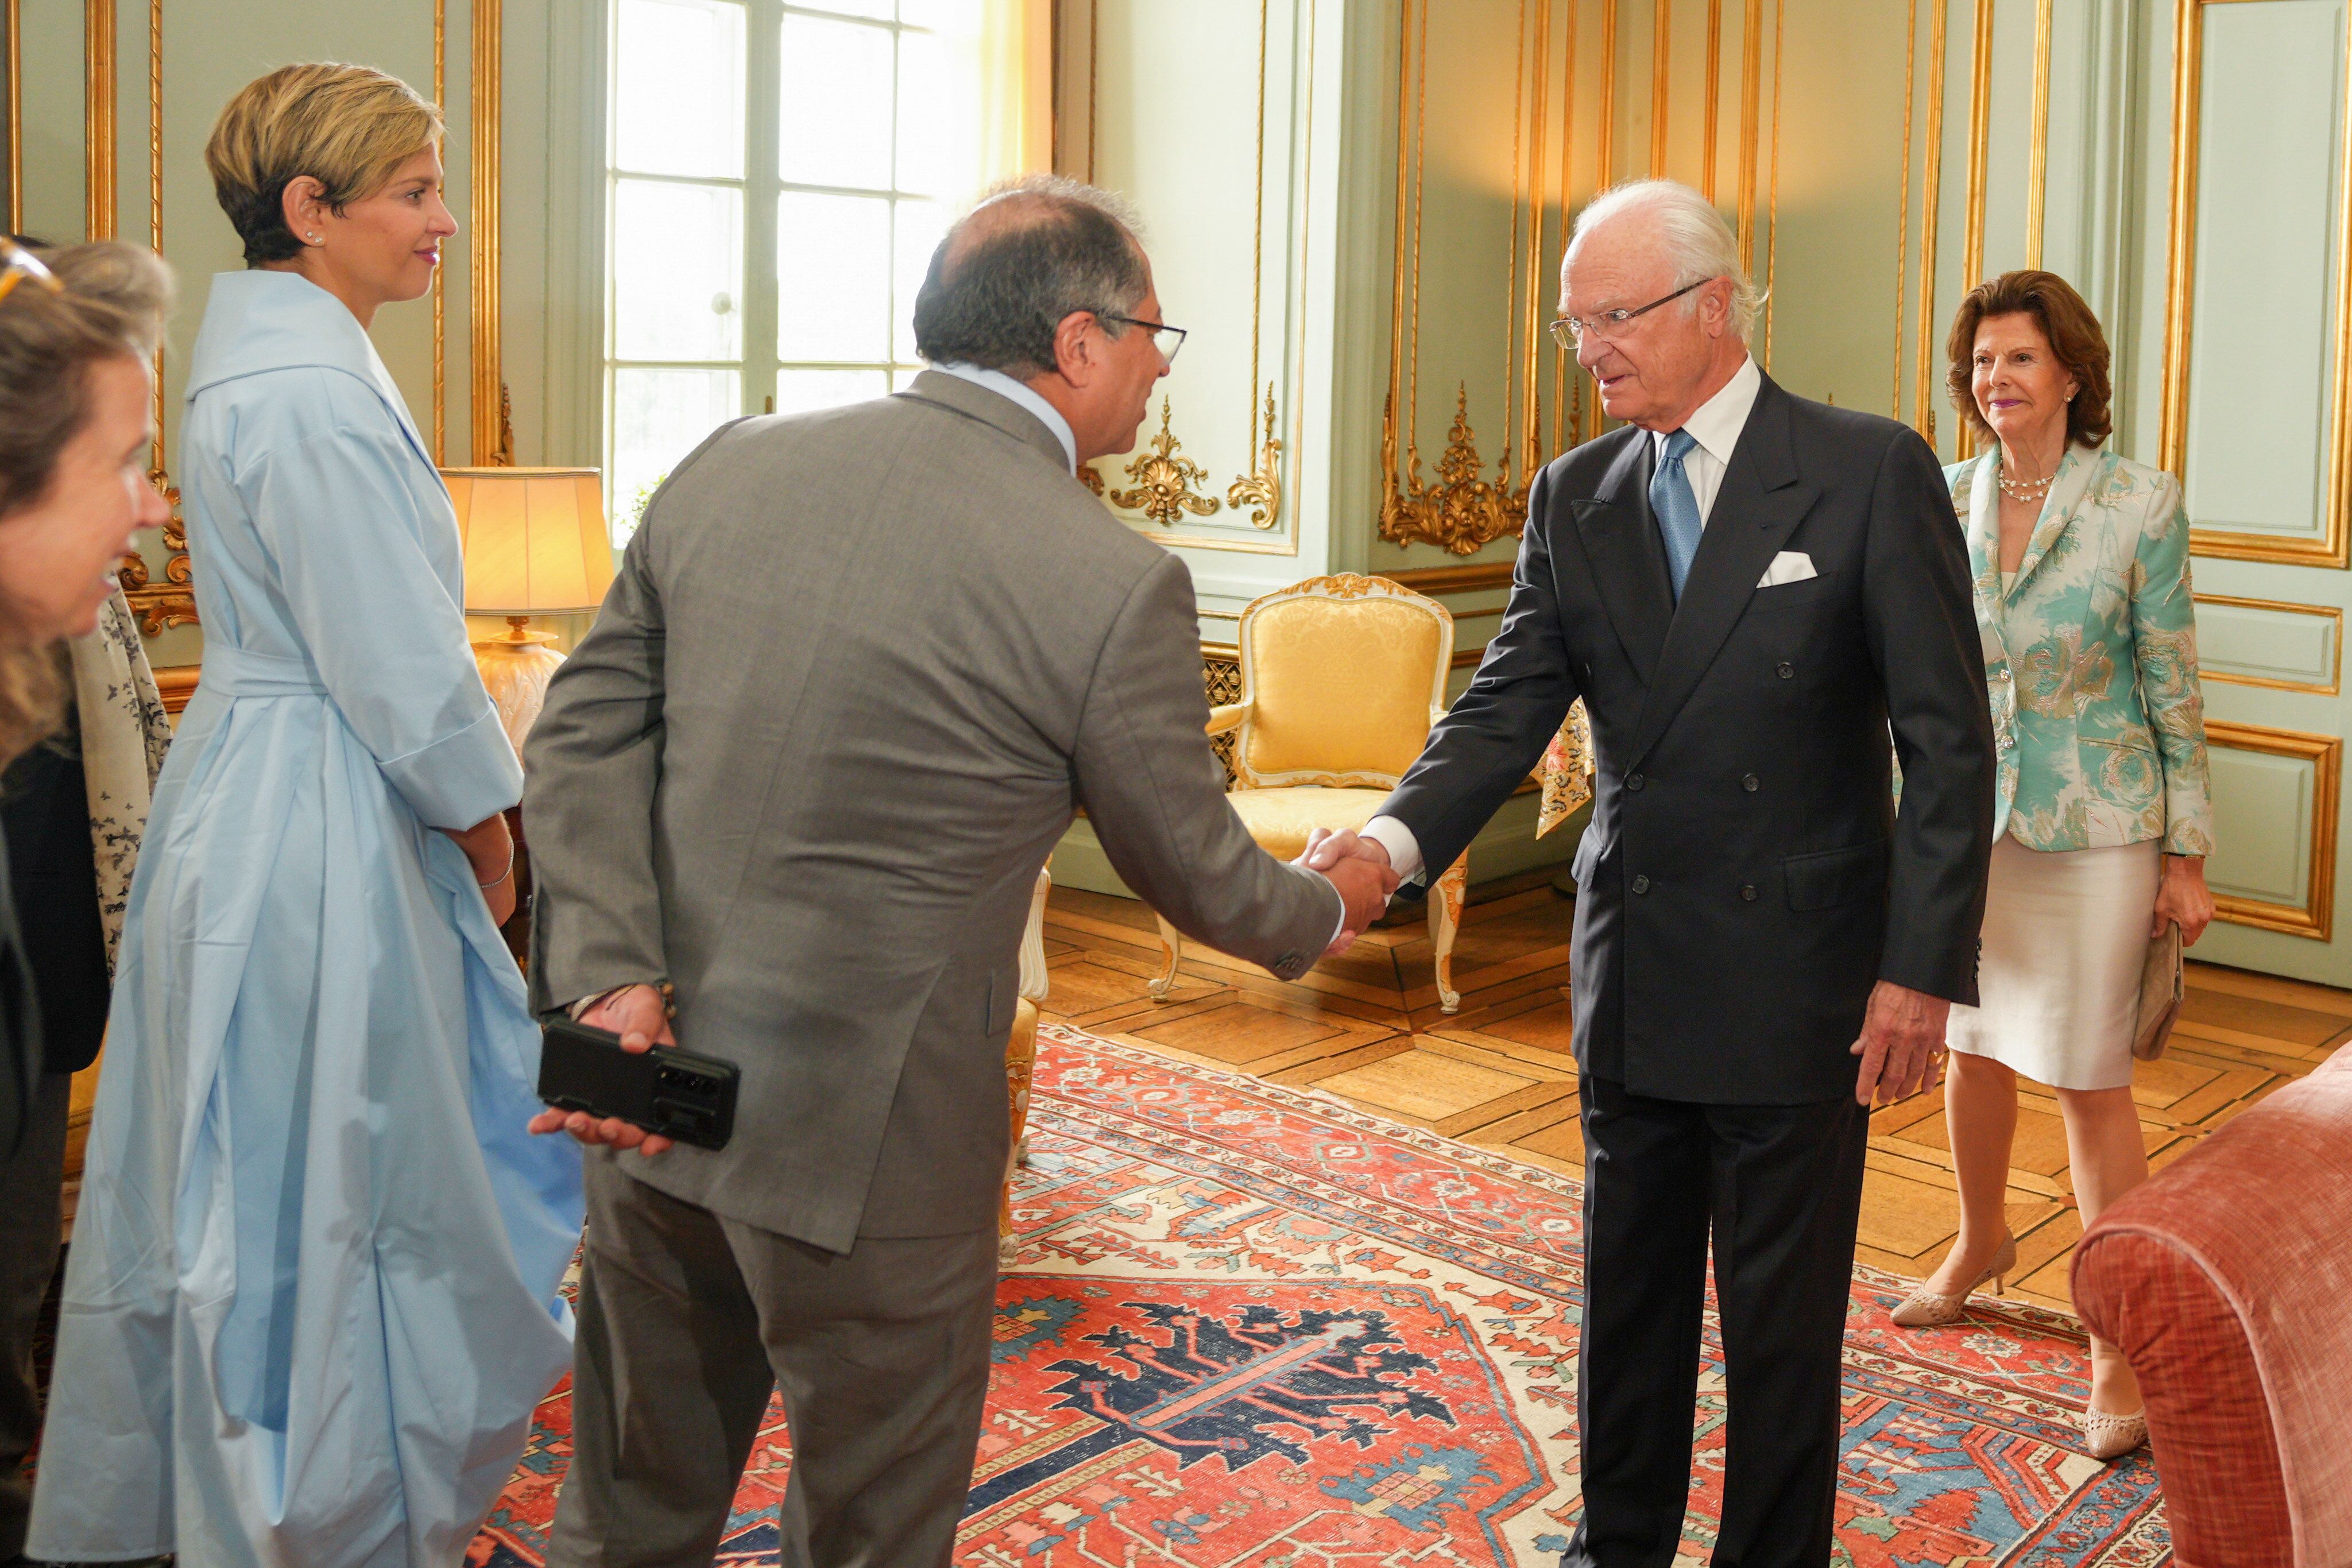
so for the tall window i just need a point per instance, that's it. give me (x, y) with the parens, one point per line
(779, 176)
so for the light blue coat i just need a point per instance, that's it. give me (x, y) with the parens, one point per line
(2091, 658)
(312, 1294)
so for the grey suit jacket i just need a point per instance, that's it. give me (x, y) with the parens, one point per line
(856, 671)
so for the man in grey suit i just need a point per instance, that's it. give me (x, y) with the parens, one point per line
(856, 671)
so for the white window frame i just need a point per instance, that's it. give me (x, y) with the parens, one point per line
(761, 185)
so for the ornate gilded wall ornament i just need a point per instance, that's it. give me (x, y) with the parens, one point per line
(1261, 489)
(1164, 481)
(1464, 510)
(173, 602)
(1091, 478)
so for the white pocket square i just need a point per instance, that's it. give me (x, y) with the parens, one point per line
(1789, 566)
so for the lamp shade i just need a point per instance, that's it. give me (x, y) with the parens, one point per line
(535, 540)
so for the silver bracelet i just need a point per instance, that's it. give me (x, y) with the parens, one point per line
(494, 882)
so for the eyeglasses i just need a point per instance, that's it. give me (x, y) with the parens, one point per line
(1607, 327)
(1166, 339)
(22, 264)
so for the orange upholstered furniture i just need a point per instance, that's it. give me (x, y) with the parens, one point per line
(2226, 1280)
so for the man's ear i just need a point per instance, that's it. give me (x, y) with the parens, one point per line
(1074, 347)
(302, 206)
(1719, 304)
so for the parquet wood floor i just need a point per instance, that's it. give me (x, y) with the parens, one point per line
(1365, 1028)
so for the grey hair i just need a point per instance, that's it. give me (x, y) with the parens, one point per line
(1698, 242)
(1032, 251)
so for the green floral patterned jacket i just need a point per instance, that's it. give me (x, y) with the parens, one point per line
(2091, 658)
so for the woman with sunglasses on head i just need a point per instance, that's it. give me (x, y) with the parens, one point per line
(78, 328)
(313, 1296)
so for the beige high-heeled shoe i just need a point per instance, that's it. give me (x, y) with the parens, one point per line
(2111, 1436)
(1926, 1308)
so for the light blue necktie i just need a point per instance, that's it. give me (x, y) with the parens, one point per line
(1676, 508)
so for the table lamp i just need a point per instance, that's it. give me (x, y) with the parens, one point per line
(535, 544)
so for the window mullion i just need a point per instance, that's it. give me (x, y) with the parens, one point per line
(762, 111)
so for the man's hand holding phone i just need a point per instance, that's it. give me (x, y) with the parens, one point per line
(637, 1014)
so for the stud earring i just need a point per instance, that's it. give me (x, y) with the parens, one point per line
(314, 240)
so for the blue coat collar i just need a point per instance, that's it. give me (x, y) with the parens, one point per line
(260, 320)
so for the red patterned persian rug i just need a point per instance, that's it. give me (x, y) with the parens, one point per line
(1253, 1328)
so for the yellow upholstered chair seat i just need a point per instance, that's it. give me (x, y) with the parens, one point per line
(1341, 678)
(1280, 819)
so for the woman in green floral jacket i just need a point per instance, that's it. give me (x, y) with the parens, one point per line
(2103, 810)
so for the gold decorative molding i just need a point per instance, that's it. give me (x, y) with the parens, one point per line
(1164, 480)
(2316, 918)
(1772, 241)
(493, 445)
(155, 188)
(1964, 436)
(1463, 512)
(173, 602)
(1903, 194)
(1923, 410)
(2332, 687)
(1433, 581)
(176, 683)
(97, 119)
(1261, 489)
(1714, 96)
(15, 120)
(1661, 39)
(2037, 160)
(1090, 477)
(2333, 547)
(1751, 68)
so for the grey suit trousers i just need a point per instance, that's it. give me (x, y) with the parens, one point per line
(688, 1320)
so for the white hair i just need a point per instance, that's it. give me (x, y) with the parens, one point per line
(1698, 242)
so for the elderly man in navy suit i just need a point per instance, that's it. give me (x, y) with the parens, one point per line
(1750, 592)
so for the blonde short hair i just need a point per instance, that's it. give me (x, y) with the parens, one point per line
(347, 127)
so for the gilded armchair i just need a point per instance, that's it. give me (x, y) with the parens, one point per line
(1341, 679)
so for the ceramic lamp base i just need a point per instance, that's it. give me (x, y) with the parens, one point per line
(516, 668)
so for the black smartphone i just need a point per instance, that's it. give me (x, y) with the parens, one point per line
(677, 1093)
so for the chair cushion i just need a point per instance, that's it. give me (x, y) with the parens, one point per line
(2223, 1279)
(1280, 819)
(1341, 686)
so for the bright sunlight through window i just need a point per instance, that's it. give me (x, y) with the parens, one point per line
(778, 176)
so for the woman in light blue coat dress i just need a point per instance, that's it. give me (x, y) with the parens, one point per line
(311, 1299)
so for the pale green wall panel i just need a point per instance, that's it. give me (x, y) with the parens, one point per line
(2258, 399)
(50, 33)
(2271, 800)
(2267, 644)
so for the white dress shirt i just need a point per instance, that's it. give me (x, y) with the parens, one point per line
(1027, 396)
(1715, 427)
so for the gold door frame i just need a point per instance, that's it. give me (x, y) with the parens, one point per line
(2334, 547)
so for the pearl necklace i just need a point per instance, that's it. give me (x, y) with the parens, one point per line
(2026, 489)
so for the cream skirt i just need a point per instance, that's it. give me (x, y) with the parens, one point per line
(2066, 937)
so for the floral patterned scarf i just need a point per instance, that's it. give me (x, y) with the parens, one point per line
(124, 734)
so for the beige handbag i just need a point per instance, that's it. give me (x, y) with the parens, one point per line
(2163, 981)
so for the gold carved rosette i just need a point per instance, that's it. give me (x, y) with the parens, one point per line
(1164, 479)
(1165, 486)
